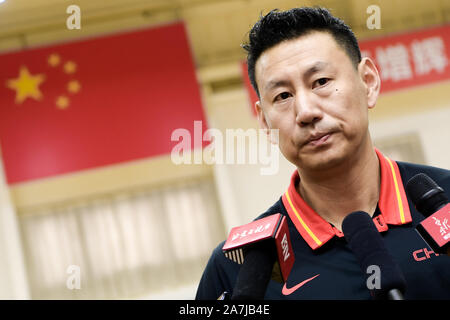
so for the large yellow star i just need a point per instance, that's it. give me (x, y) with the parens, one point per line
(26, 85)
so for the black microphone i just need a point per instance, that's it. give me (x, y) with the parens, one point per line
(263, 248)
(255, 272)
(430, 200)
(369, 248)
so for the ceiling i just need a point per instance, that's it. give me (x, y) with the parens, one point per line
(216, 27)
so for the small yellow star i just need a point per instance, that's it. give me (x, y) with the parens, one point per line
(54, 60)
(73, 86)
(62, 102)
(26, 85)
(70, 67)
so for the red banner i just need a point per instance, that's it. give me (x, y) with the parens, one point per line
(96, 102)
(404, 60)
(412, 59)
(252, 96)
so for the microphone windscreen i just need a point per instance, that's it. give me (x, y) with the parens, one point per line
(369, 248)
(425, 193)
(255, 272)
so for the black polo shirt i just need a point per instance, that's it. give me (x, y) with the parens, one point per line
(325, 268)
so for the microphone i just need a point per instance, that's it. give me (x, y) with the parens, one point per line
(430, 200)
(368, 246)
(264, 249)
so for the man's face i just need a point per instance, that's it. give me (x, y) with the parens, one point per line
(310, 91)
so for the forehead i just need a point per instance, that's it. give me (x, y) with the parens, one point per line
(302, 53)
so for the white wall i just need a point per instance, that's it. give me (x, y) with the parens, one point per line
(432, 127)
(13, 283)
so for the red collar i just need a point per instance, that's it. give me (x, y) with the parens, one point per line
(316, 231)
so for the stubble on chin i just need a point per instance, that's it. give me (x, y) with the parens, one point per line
(321, 159)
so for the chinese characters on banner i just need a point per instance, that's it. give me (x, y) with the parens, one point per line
(403, 61)
(412, 59)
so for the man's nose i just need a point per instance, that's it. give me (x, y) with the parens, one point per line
(307, 109)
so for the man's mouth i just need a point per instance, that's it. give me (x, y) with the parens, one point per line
(318, 139)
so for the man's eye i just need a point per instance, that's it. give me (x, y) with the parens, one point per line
(282, 96)
(320, 82)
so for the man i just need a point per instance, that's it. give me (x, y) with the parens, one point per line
(314, 87)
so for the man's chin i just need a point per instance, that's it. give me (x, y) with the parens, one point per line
(321, 160)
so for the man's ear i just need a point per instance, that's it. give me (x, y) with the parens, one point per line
(371, 79)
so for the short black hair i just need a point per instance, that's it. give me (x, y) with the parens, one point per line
(278, 26)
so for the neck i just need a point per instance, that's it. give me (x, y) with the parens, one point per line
(352, 186)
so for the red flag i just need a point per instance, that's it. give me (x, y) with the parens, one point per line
(96, 102)
(252, 96)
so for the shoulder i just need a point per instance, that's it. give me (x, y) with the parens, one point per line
(439, 175)
(218, 277)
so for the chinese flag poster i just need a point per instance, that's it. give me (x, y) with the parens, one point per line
(96, 102)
